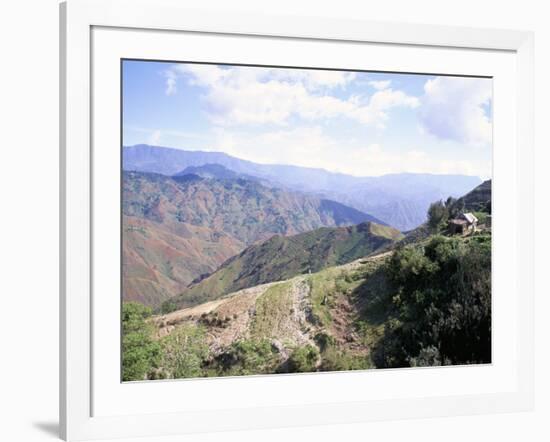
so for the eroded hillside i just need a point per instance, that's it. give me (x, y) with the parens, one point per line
(176, 229)
(402, 308)
(282, 257)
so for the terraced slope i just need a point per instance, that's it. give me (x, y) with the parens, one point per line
(317, 310)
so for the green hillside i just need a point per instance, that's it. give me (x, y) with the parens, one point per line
(282, 257)
(176, 229)
(425, 304)
(478, 199)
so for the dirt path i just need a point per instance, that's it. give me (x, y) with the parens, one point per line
(229, 318)
(299, 325)
(232, 305)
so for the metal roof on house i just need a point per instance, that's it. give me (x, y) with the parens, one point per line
(470, 217)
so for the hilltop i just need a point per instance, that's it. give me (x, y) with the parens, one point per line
(479, 199)
(280, 258)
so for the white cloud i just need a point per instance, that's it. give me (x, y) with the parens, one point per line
(155, 137)
(244, 95)
(454, 109)
(314, 79)
(301, 146)
(375, 160)
(380, 84)
(310, 146)
(171, 87)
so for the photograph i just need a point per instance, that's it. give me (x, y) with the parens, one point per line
(287, 219)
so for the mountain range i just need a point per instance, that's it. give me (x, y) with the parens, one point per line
(399, 200)
(179, 228)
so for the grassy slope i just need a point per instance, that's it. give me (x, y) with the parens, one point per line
(322, 310)
(342, 312)
(271, 309)
(281, 258)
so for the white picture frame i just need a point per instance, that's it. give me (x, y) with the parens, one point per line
(80, 379)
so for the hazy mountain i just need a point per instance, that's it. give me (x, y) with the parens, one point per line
(178, 228)
(281, 257)
(215, 171)
(400, 200)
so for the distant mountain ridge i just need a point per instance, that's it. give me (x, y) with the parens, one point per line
(178, 228)
(400, 200)
(216, 171)
(280, 258)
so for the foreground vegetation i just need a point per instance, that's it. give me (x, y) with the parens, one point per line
(427, 304)
(440, 307)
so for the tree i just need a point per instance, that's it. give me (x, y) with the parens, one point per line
(140, 352)
(454, 207)
(438, 214)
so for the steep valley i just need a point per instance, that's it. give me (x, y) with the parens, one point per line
(178, 229)
(282, 257)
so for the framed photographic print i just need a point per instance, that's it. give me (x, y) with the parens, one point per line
(284, 221)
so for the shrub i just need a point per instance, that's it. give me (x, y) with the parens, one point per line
(337, 359)
(184, 352)
(303, 359)
(168, 307)
(246, 357)
(442, 304)
(438, 214)
(481, 217)
(140, 353)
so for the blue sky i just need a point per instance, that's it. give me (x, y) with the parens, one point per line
(359, 123)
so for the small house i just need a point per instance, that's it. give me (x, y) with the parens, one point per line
(463, 224)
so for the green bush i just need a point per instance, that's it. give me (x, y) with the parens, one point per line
(184, 352)
(438, 214)
(140, 352)
(168, 306)
(303, 359)
(481, 217)
(335, 359)
(442, 304)
(247, 357)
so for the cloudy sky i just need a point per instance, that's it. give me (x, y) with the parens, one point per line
(359, 123)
